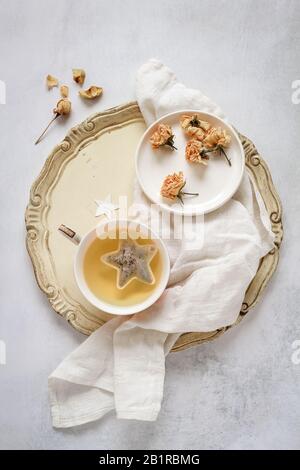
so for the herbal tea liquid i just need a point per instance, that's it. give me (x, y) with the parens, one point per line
(102, 279)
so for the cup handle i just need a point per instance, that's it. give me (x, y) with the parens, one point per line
(70, 234)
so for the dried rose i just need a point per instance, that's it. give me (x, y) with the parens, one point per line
(195, 133)
(187, 121)
(78, 76)
(195, 152)
(91, 93)
(162, 136)
(64, 91)
(63, 107)
(172, 187)
(194, 127)
(217, 136)
(51, 81)
(218, 139)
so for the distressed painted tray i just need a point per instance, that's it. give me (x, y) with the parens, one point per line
(81, 169)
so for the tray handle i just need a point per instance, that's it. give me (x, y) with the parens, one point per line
(70, 234)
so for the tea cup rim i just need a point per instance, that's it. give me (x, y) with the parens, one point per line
(85, 242)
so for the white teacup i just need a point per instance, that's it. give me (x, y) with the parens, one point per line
(132, 228)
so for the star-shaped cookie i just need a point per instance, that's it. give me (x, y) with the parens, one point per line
(132, 261)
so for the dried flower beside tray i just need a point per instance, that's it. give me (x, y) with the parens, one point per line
(63, 107)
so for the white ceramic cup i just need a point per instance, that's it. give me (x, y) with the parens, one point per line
(133, 228)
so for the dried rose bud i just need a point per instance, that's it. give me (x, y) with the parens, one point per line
(187, 121)
(78, 76)
(195, 152)
(91, 93)
(63, 107)
(172, 185)
(194, 127)
(195, 133)
(218, 139)
(51, 81)
(163, 135)
(64, 91)
(217, 136)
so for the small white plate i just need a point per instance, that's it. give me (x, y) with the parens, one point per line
(216, 182)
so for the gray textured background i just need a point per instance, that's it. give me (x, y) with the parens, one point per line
(241, 391)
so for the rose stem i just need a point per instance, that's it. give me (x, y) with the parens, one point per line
(180, 199)
(41, 136)
(190, 194)
(172, 146)
(224, 153)
(170, 143)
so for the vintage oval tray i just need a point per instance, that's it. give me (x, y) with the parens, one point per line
(81, 169)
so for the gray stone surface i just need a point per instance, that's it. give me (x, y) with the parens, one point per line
(241, 391)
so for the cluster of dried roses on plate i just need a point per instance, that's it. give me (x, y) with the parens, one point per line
(64, 106)
(205, 141)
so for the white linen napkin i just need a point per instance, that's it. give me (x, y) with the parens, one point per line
(121, 366)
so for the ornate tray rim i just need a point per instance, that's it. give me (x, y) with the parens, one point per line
(37, 234)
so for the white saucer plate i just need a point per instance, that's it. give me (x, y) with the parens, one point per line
(216, 182)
